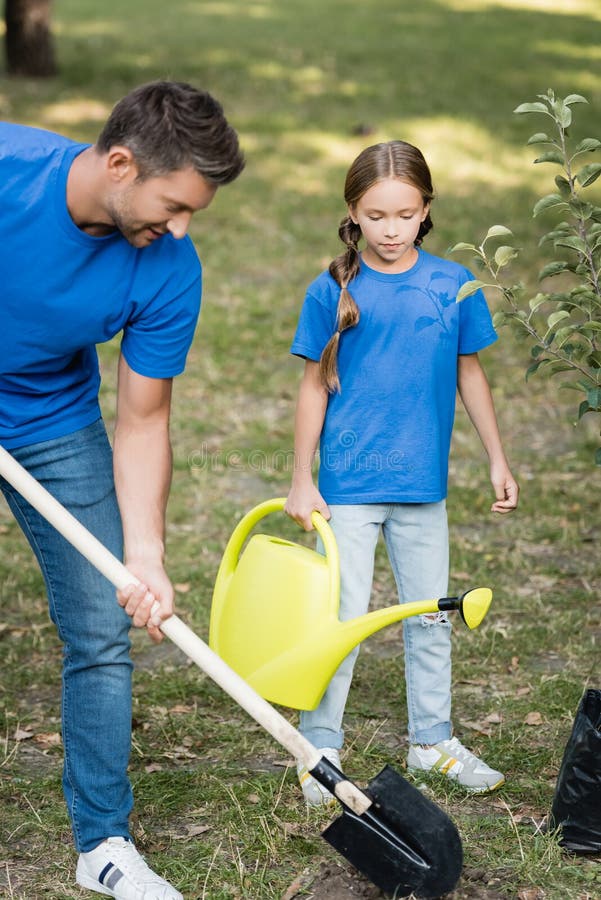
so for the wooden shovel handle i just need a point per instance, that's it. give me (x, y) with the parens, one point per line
(176, 630)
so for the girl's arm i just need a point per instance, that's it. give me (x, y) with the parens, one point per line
(476, 396)
(308, 423)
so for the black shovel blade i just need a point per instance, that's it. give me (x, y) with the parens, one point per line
(404, 843)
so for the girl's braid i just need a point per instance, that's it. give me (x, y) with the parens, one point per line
(342, 269)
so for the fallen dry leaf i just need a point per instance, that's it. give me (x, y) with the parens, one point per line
(480, 727)
(494, 718)
(22, 735)
(533, 718)
(182, 587)
(194, 830)
(48, 738)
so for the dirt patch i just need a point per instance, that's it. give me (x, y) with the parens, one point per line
(333, 881)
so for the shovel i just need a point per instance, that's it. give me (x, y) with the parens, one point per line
(297, 591)
(390, 832)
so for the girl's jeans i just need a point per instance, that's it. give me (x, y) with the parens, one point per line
(416, 536)
(96, 703)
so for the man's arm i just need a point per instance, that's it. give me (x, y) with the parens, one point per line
(143, 467)
(476, 396)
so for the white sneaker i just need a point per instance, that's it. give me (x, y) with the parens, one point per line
(116, 869)
(315, 793)
(452, 759)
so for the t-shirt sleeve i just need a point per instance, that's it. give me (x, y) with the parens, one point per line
(316, 325)
(156, 341)
(476, 330)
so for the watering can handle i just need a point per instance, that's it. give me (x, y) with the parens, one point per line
(248, 522)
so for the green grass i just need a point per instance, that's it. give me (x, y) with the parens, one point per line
(217, 809)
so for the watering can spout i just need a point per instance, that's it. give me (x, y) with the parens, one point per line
(472, 606)
(274, 617)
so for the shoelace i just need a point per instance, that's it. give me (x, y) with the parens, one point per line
(458, 750)
(126, 858)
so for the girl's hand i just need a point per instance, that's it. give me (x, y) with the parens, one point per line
(302, 502)
(506, 490)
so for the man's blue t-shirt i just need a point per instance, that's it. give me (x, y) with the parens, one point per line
(63, 291)
(386, 436)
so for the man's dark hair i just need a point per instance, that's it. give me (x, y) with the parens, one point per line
(170, 125)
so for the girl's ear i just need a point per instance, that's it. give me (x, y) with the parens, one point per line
(353, 215)
(426, 211)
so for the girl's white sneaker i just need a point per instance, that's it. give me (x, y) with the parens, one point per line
(116, 869)
(315, 793)
(452, 759)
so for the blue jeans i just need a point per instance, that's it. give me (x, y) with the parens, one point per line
(416, 537)
(96, 702)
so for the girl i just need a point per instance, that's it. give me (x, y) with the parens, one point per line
(386, 346)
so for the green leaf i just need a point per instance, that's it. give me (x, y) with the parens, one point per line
(564, 185)
(580, 208)
(497, 231)
(557, 366)
(564, 333)
(462, 246)
(504, 255)
(574, 243)
(499, 319)
(593, 397)
(537, 301)
(469, 288)
(588, 174)
(563, 114)
(547, 202)
(553, 268)
(534, 367)
(590, 326)
(553, 156)
(556, 317)
(539, 138)
(531, 108)
(575, 98)
(583, 409)
(558, 232)
(594, 359)
(588, 145)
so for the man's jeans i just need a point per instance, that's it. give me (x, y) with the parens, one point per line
(96, 704)
(416, 537)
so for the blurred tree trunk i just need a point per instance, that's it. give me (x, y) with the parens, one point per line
(29, 45)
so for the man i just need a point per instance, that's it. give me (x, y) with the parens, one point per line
(93, 242)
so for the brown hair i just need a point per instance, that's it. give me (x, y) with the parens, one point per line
(394, 159)
(170, 125)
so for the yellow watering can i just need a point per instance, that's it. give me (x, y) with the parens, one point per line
(274, 616)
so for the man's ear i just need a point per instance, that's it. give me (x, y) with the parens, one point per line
(120, 165)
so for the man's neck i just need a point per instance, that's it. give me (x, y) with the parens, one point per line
(84, 183)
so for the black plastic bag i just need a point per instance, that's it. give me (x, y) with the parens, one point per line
(576, 805)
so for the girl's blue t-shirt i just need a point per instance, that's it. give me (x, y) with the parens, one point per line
(63, 291)
(386, 436)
